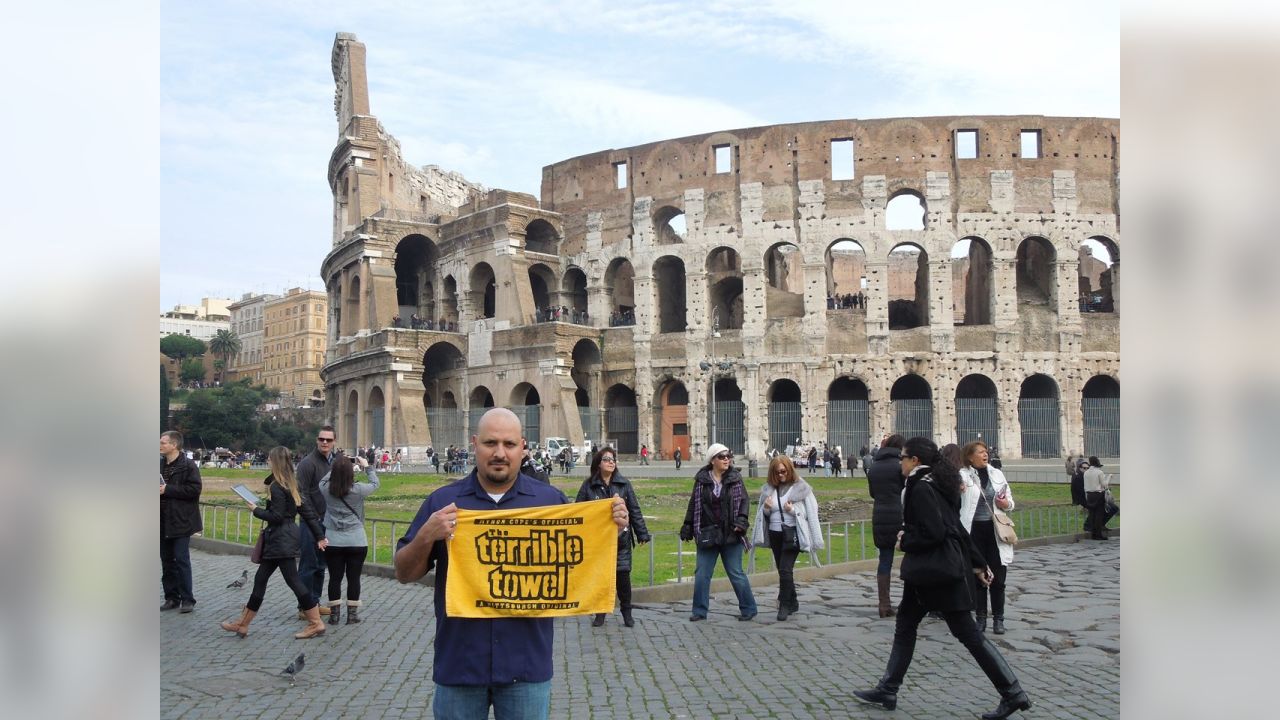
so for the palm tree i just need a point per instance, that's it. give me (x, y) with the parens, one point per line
(225, 343)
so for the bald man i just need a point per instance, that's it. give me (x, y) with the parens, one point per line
(504, 663)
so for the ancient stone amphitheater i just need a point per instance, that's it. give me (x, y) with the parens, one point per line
(822, 281)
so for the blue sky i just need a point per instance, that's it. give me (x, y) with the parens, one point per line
(496, 89)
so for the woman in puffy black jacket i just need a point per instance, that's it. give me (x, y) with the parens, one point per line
(717, 520)
(280, 546)
(884, 481)
(605, 481)
(939, 556)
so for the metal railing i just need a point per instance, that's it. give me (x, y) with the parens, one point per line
(667, 554)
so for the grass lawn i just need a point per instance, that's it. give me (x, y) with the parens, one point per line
(843, 502)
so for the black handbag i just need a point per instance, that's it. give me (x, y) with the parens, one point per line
(710, 537)
(790, 534)
(942, 565)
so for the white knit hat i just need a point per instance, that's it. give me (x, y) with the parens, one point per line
(714, 450)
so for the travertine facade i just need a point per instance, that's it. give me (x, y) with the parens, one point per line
(725, 249)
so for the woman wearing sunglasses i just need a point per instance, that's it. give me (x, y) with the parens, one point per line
(605, 481)
(717, 519)
(788, 512)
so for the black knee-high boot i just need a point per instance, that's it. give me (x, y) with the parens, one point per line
(1012, 696)
(624, 597)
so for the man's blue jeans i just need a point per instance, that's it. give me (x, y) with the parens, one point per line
(311, 564)
(517, 701)
(731, 555)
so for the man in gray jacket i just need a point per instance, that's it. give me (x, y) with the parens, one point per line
(313, 467)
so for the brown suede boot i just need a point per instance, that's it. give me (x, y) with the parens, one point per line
(241, 626)
(882, 589)
(315, 626)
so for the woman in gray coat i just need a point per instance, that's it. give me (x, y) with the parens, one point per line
(348, 543)
(604, 481)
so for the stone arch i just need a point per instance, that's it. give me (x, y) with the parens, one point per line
(449, 300)
(784, 280)
(415, 268)
(785, 413)
(354, 321)
(1039, 417)
(1036, 273)
(669, 225)
(542, 282)
(906, 210)
(724, 288)
(846, 268)
(848, 414)
(621, 418)
(483, 291)
(481, 397)
(908, 280)
(1100, 404)
(526, 403)
(912, 400)
(574, 289)
(351, 419)
(672, 419)
(588, 365)
(977, 410)
(375, 417)
(540, 236)
(972, 281)
(620, 284)
(443, 369)
(1099, 274)
(669, 294)
(727, 421)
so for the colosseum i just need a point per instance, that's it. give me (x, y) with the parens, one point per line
(827, 281)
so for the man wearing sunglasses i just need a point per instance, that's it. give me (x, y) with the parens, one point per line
(309, 472)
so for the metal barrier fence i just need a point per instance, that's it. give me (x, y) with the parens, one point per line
(669, 559)
(447, 426)
(784, 424)
(848, 425)
(530, 420)
(730, 427)
(1041, 436)
(976, 418)
(913, 417)
(1101, 426)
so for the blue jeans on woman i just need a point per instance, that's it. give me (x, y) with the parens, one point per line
(516, 701)
(731, 555)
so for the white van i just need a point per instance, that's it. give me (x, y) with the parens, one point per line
(555, 444)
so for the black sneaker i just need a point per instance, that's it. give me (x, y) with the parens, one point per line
(696, 618)
(745, 618)
(169, 605)
(187, 607)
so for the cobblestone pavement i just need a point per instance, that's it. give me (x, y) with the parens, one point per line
(1063, 641)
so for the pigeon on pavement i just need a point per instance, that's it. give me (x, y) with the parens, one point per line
(244, 575)
(295, 667)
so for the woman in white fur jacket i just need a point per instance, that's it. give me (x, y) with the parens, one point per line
(786, 502)
(985, 488)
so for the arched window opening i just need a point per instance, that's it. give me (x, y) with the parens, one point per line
(526, 403)
(669, 291)
(574, 288)
(784, 274)
(972, 285)
(1100, 403)
(669, 226)
(377, 418)
(443, 368)
(976, 411)
(724, 289)
(906, 211)
(541, 282)
(478, 404)
(351, 419)
(908, 287)
(672, 420)
(586, 373)
(785, 414)
(449, 305)
(415, 267)
(484, 291)
(1036, 281)
(354, 321)
(1099, 275)
(912, 400)
(619, 282)
(1039, 417)
(846, 276)
(540, 236)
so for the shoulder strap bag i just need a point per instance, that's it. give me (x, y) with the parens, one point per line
(790, 534)
(1004, 524)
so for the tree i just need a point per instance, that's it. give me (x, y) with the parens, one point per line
(192, 370)
(225, 344)
(226, 416)
(164, 400)
(181, 346)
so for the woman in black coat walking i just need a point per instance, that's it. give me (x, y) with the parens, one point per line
(280, 546)
(884, 480)
(930, 528)
(604, 481)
